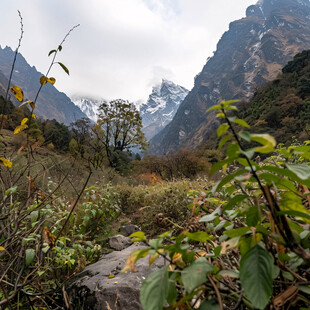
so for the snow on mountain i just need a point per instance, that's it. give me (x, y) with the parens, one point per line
(161, 106)
(89, 106)
(156, 113)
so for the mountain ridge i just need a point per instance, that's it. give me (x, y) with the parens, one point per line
(51, 103)
(250, 53)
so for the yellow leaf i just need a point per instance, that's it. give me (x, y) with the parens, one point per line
(43, 80)
(31, 103)
(133, 257)
(152, 259)
(230, 244)
(20, 128)
(33, 116)
(268, 142)
(6, 162)
(51, 80)
(111, 276)
(24, 121)
(2, 248)
(18, 93)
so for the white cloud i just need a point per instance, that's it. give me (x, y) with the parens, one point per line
(122, 46)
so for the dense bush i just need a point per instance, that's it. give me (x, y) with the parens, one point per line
(253, 250)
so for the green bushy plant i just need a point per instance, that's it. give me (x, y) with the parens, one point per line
(254, 248)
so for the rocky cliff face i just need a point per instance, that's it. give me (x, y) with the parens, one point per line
(161, 107)
(251, 52)
(51, 103)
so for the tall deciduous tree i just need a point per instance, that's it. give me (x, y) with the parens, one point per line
(119, 128)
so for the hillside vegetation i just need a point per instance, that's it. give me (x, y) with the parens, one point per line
(282, 107)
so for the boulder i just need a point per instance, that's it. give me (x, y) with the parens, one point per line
(119, 242)
(129, 229)
(103, 286)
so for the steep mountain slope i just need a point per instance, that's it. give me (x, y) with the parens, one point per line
(161, 107)
(282, 107)
(251, 52)
(51, 103)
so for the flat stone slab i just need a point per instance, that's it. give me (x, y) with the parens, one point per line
(93, 289)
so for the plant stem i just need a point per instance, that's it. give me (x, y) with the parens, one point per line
(272, 205)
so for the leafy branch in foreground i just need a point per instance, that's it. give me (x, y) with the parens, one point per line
(254, 250)
(32, 249)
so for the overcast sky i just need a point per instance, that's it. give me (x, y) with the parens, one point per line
(122, 47)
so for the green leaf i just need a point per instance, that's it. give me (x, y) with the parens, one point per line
(222, 129)
(286, 172)
(139, 236)
(292, 202)
(154, 290)
(229, 102)
(210, 217)
(301, 170)
(59, 48)
(63, 67)
(237, 232)
(245, 136)
(156, 243)
(224, 140)
(234, 200)
(11, 190)
(172, 293)
(196, 274)
(198, 236)
(30, 254)
(227, 179)
(256, 269)
(242, 123)
(233, 150)
(34, 216)
(215, 107)
(304, 288)
(248, 154)
(252, 216)
(233, 108)
(51, 52)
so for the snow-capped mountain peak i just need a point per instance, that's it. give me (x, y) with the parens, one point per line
(161, 106)
(156, 113)
(88, 105)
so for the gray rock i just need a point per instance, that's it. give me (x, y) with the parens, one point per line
(119, 242)
(93, 289)
(129, 229)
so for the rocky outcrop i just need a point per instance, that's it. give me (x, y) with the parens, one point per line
(119, 242)
(127, 230)
(103, 286)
